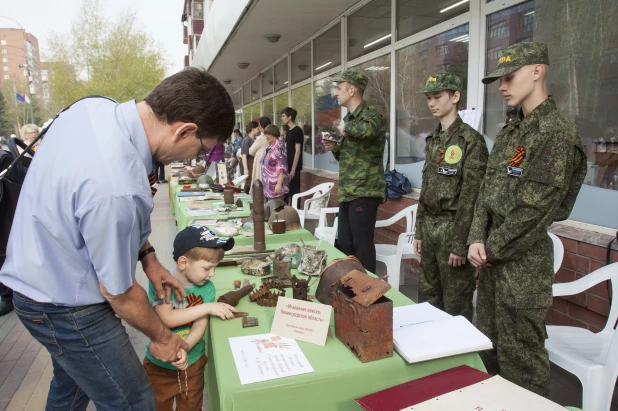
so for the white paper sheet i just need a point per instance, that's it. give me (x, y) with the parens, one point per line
(417, 313)
(199, 212)
(472, 117)
(267, 357)
(437, 339)
(493, 394)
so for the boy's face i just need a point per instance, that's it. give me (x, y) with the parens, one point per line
(518, 85)
(198, 272)
(441, 103)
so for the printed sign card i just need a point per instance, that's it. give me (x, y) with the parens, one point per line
(302, 320)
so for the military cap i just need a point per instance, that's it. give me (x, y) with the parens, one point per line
(517, 56)
(354, 78)
(444, 80)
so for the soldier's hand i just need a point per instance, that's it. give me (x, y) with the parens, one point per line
(456, 261)
(417, 247)
(330, 145)
(477, 255)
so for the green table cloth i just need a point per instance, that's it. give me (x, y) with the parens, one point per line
(339, 376)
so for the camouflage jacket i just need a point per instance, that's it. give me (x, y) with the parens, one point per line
(452, 175)
(360, 155)
(512, 213)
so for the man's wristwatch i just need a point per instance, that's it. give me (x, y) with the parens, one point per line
(145, 252)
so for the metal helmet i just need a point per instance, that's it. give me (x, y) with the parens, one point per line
(204, 179)
(198, 170)
(287, 213)
(271, 205)
(332, 273)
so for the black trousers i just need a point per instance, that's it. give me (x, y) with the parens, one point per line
(294, 186)
(357, 222)
(158, 169)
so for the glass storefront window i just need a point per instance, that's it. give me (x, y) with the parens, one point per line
(414, 16)
(268, 108)
(583, 78)
(281, 74)
(267, 82)
(246, 94)
(281, 102)
(255, 89)
(327, 50)
(246, 114)
(327, 119)
(255, 112)
(369, 28)
(301, 63)
(378, 92)
(415, 64)
(301, 102)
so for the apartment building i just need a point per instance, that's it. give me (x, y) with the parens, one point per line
(21, 62)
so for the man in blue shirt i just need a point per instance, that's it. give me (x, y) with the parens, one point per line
(81, 225)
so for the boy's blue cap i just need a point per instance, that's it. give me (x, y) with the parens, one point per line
(199, 236)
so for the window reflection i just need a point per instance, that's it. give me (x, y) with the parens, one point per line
(369, 28)
(414, 16)
(327, 119)
(446, 51)
(301, 63)
(268, 108)
(267, 82)
(327, 50)
(281, 74)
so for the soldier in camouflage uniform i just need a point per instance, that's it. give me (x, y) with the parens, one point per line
(533, 176)
(456, 158)
(361, 171)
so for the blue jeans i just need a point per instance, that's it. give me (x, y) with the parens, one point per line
(92, 357)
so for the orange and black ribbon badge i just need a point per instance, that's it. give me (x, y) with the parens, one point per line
(441, 157)
(520, 154)
(193, 301)
(151, 180)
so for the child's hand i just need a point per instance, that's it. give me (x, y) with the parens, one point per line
(222, 310)
(182, 361)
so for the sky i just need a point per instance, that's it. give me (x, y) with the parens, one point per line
(160, 18)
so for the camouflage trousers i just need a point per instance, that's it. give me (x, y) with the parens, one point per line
(445, 287)
(513, 300)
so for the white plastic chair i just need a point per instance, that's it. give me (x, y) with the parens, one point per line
(311, 210)
(593, 358)
(558, 251)
(323, 231)
(391, 254)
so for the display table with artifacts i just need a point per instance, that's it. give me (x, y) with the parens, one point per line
(338, 375)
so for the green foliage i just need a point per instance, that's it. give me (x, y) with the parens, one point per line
(101, 56)
(5, 120)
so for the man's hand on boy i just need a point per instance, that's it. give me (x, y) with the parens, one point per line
(183, 360)
(166, 349)
(162, 279)
(222, 310)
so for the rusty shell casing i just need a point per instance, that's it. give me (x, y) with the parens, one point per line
(259, 235)
(233, 297)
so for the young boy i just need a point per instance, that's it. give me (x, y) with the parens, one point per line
(456, 158)
(534, 173)
(197, 251)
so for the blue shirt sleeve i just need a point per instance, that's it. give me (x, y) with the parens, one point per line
(114, 230)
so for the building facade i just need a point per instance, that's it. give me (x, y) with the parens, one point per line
(194, 13)
(398, 43)
(21, 62)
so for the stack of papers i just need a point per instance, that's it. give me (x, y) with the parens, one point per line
(422, 332)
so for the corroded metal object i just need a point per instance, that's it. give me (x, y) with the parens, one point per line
(300, 288)
(237, 284)
(250, 322)
(271, 282)
(266, 296)
(281, 269)
(259, 237)
(277, 226)
(228, 195)
(239, 314)
(363, 316)
(286, 250)
(233, 297)
(255, 267)
(287, 214)
(332, 273)
(186, 177)
(239, 203)
(313, 261)
(271, 206)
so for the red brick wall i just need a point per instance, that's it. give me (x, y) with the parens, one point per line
(587, 310)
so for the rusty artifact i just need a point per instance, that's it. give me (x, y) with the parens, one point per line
(332, 273)
(313, 260)
(267, 295)
(281, 269)
(233, 297)
(237, 284)
(270, 282)
(277, 226)
(271, 206)
(300, 288)
(239, 203)
(239, 314)
(191, 190)
(250, 322)
(198, 170)
(288, 249)
(287, 214)
(255, 267)
(363, 316)
(228, 195)
(259, 238)
(245, 283)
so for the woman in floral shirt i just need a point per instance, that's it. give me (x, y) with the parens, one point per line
(274, 166)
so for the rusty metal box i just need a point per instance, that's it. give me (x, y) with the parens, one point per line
(363, 316)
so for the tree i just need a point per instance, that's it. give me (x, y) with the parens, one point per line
(17, 113)
(102, 56)
(5, 120)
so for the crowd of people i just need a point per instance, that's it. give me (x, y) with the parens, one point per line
(478, 213)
